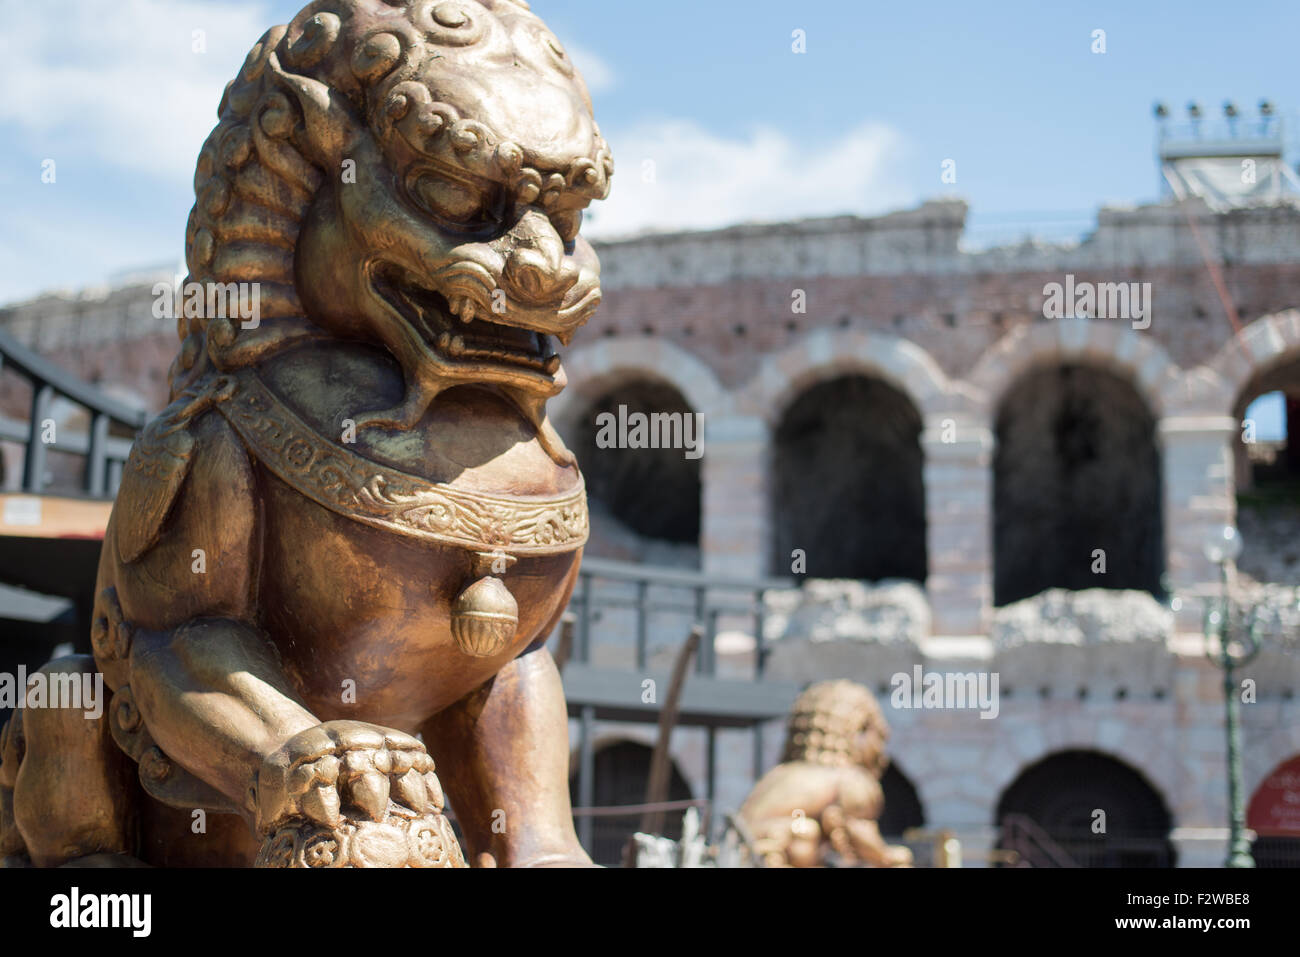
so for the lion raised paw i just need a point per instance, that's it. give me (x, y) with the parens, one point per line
(350, 794)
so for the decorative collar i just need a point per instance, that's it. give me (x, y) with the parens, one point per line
(383, 497)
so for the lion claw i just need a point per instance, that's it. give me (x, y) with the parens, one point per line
(322, 806)
(412, 791)
(435, 791)
(339, 765)
(370, 792)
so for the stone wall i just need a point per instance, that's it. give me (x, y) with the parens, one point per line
(726, 296)
(108, 337)
(895, 298)
(899, 300)
(1099, 671)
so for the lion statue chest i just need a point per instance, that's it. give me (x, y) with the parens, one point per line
(360, 606)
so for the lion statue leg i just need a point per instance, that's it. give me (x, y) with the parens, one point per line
(67, 794)
(318, 794)
(870, 846)
(509, 744)
(13, 849)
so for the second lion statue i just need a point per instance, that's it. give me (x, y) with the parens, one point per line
(822, 803)
(354, 523)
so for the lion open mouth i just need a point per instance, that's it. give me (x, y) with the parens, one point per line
(454, 330)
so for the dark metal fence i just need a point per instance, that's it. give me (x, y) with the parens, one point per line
(633, 618)
(643, 596)
(611, 828)
(1276, 852)
(104, 447)
(1035, 846)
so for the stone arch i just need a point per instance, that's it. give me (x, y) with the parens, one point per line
(1264, 359)
(904, 807)
(600, 366)
(1265, 343)
(1102, 342)
(645, 500)
(646, 503)
(609, 734)
(847, 485)
(622, 769)
(825, 357)
(1152, 752)
(1060, 793)
(1077, 482)
(830, 354)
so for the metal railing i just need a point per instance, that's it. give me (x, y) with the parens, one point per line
(1037, 846)
(694, 597)
(1265, 129)
(104, 453)
(610, 829)
(1276, 851)
(1032, 845)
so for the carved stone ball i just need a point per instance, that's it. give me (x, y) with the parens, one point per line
(401, 840)
(484, 617)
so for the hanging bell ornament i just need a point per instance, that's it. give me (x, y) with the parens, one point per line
(485, 616)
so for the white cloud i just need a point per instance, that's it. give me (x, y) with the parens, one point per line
(597, 73)
(117, 84)
(119, 81)
(678, 175)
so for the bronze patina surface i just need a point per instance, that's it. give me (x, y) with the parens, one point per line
(824, 797)
(354, 523)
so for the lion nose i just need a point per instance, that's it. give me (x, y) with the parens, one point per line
(529, 272)
(536, 265)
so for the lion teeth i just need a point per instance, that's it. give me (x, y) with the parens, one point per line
(463, 308)
(451, 345)
(552, 365)
(564, 337)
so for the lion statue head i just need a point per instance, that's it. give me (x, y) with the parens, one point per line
(839, 724)
(408, 173)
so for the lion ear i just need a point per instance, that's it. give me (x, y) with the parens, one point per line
(328, 117)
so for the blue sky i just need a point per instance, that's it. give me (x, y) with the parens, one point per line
(738, 127)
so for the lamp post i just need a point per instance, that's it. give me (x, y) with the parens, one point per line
(1238, 642)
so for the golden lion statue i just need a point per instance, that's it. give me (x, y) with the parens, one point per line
(336, 556)
(824, 797)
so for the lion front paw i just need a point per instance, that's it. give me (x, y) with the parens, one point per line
(319, 772)
(346, 793)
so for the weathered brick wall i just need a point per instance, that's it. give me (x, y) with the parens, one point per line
(955, 318)
(710, 313)
(107, 337)
(725, 296)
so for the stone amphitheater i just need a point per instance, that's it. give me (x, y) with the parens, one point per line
(949, 480)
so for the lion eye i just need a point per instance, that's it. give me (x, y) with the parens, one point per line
(448, 200)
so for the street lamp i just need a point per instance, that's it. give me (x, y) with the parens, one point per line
(1237, 633)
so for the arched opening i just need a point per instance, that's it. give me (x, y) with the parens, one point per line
(902, 804)
(1274, 815)
(1267, 448)
(1077, 486)
(847, 484)
(622, 771)
(634, 444)
(1087, 809)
